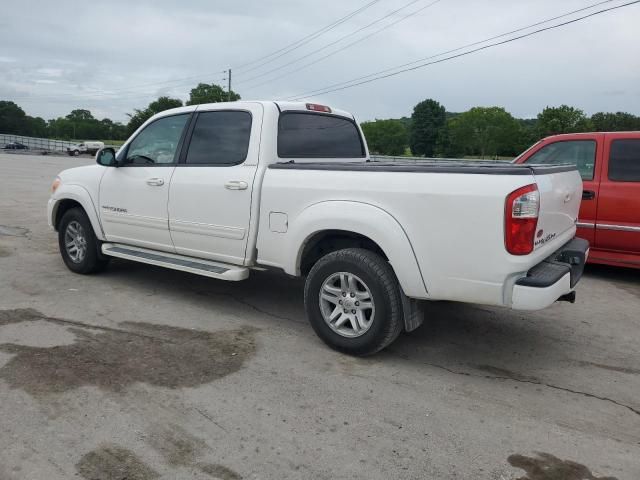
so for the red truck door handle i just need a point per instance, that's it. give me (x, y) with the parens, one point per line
(588, 194)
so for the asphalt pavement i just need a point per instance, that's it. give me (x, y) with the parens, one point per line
(145, 373)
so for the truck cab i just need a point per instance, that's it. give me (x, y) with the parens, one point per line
(609, 164)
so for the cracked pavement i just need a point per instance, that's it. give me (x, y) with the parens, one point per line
(240, 387)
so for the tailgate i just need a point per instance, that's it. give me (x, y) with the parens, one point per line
(560, 197)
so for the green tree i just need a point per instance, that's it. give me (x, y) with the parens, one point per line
(386, 137)
(80, 124)
(60, 128)
(427, 121)
(562, 119)
(80, 115)
(205, 93)
(484, 132)
(37, 127)
(111, 130)
(615, 122)
(138, 117)
(12, 118)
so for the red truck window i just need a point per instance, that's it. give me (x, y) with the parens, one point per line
(581, 153)
(624, 161)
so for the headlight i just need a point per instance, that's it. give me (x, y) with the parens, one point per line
(56, 183)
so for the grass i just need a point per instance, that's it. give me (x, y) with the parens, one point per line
(116, 143)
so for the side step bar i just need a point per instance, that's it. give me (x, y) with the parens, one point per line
(207, 268)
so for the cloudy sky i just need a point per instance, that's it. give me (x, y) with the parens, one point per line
(114, 56)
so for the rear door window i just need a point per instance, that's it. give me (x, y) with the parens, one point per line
(220, 138)
(624, 161)
(313, 135)
(581, 153)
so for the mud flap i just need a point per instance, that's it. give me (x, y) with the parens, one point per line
(413, 312)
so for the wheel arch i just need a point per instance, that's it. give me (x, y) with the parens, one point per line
(327, 241)
(331, 225)
(74, 196)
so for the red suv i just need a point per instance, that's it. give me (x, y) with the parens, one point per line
(610, 167)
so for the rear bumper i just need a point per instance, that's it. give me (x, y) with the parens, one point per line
(554, 277)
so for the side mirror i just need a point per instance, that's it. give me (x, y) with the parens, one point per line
(106, 157)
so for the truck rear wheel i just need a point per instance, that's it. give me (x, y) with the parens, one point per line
(78, 244)
(352, 299)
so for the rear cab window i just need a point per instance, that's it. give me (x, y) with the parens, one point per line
(318, 135)
(624, 160)
(581, 153)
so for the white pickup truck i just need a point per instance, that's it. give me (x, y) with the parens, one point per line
(221, 189)
(85, 147)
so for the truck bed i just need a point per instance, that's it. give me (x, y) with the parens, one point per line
(449, 215)
(431, 166)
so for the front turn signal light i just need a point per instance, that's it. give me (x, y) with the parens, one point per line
(56, 183)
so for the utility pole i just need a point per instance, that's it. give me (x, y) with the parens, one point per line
(229, 86)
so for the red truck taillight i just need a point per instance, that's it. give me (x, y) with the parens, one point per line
(521, 219)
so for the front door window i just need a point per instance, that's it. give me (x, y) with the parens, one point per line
(158, 143)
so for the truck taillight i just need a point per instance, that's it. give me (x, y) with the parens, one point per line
(521, 219)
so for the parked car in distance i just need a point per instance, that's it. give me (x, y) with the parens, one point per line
(16, 146)
(609, 164)
(85, 147)
(222, 189)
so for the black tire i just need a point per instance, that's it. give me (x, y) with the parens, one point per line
(76, 152)
(93, 260)
(387, 322)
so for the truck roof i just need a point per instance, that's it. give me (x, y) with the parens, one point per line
(283, 106)
(631, 133)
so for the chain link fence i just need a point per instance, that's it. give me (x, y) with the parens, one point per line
(34, 143)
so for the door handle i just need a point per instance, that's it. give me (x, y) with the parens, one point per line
(236, 185)
(588, 194)
(155, 182)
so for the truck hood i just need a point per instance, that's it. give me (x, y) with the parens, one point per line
(86, 175)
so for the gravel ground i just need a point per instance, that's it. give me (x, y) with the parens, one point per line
(145, 373)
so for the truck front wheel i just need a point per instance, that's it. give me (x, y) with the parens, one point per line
(78, 244)
(353, 302)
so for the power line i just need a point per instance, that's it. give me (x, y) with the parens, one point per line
(343, 48)
(377, 75)
(129, 90)
(181, 81)
(331, 43)
(303, 41)
(462, 47)
(381, 75)
(299, 43)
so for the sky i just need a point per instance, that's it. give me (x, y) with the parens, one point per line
(114, 56)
